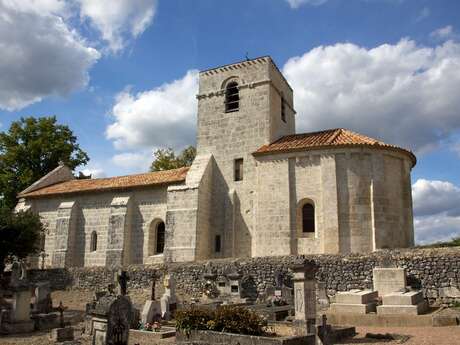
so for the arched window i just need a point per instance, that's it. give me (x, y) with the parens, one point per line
(160, 238)
(308, 218)
(93, 246)
(232, 97)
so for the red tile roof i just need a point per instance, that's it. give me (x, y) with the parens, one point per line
(112, 183)
(330, 138)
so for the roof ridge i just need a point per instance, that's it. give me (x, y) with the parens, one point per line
(130, 175)
(115, 182)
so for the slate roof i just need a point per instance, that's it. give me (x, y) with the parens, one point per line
(112, 183)
(331, 138)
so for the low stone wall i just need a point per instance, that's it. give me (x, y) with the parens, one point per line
(435, 271)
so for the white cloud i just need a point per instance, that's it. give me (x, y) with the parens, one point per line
(298, 3)
(444, 33)
(94, 172)
(436, 228)
(161, 117)
(139, 161)
(433, 197)
(41, 55)
(402, 93)
(117, 21)
(38, 6)
(436, 210)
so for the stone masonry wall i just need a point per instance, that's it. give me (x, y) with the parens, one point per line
(435, 271)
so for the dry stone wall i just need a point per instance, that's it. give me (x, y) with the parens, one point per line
(435, 271)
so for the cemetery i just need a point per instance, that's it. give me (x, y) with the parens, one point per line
(231, 304)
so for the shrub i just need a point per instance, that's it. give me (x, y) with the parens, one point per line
(224, 319)
(193, 318)
(238, 320)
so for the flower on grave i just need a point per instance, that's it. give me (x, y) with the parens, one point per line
(156, 326)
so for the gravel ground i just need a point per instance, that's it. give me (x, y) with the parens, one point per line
(417, 336)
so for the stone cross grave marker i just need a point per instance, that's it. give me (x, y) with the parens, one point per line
(61, 310)
(123, 279)
(43, 256)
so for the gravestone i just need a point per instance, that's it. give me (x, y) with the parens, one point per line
(168, 300)
(389, 280)
(305, 298)
(234, 283)
(152, 307)
(62, 333)
(43, 303)
(19, 316)
(223, 286)
(112, 316)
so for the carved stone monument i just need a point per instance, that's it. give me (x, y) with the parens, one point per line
(111, 317)
(62, 333)
(43, 303)
(19, 317)
(152, 307)
(168, 300)
(305, 298)
(388, 280)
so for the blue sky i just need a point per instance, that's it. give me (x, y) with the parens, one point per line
(122, 75)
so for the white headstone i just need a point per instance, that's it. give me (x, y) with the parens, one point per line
(151, 308)
(388, 280)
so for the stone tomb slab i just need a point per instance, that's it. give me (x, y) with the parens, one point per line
(388, 280)
(341, 308)
(418, 309)
(356, 297)
(146, 337)
(403, 298)
(62, 334)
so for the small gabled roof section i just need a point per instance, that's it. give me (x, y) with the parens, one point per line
(331, 138)
(157, 178)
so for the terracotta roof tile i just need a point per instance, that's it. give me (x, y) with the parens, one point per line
(330, 138)
(111, 183)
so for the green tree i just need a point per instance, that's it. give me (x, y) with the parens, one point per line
(166, 159)
(30, 149)
(20, 235)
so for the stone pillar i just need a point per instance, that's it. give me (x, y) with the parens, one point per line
(329, 211)
(119, 233)
(305, 298)
(64, 238)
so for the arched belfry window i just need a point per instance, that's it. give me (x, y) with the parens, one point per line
(93, 246)
(232, 97)
(308, 218)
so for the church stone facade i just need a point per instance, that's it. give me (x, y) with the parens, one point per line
(254, 189)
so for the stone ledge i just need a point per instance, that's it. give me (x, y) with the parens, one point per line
(418, 309)
(403, 298)
(356, 297)
(353, 308)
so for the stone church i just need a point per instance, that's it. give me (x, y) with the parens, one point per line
(255, 188)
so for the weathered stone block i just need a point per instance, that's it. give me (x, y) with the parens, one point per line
(403, 298)
(356, 297)
(353, 308)
(388, 280)
(61, 334)
(417, 309)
